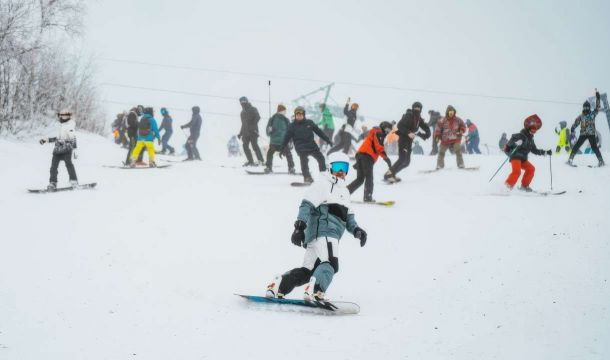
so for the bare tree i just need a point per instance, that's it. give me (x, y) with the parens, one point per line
(37, 78)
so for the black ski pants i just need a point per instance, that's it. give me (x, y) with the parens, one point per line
(344, 144)
(67, 159)
(191, 148)
(592, 142)
(405, 145)
(277, 148)
(252, 140)
(304, 157)
(364, 168)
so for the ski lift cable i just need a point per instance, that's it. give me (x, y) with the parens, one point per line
(347, 83)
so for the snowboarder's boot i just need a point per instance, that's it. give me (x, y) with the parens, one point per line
(292, 171)
(52, 186)
(526, 189)
(570, 162)
(172, 152)
(152, 164)
(308, 292)
(601, 163)
(268, 170)
(368, 198)
(272, 289)
(308, 179)
(74, 184)
(131, 164)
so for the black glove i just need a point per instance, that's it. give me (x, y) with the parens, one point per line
(183, 127)
(360, 234)
(281, 153)
(239, 136)
(42, 141)
(298, 236)
(549, 152)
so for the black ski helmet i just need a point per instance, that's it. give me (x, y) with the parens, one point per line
(586, 107)
(386, 127)
(243, 100)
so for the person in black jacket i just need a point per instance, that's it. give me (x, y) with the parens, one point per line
(132, 131)
(347, 131)
(249, 131)
(518, 147)
(408, 127)
(276, 130)
(301, 132)
(191, 142)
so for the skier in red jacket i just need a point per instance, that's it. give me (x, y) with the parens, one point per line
(368, 153)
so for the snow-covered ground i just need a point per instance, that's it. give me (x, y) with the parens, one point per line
(146, 265)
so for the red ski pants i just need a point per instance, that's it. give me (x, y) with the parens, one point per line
(517, 165)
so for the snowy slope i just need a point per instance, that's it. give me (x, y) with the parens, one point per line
(145, 266)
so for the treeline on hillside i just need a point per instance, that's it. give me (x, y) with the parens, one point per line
(38, 75)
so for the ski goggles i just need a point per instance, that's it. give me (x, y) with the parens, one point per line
(339, 166)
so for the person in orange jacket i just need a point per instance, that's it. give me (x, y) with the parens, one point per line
(518, 147)
(368, 153)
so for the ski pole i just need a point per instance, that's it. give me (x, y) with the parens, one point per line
(501, 166)
(551, 168)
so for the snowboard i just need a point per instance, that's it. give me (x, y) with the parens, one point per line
(382, 203)
(250, 172)
(314, 307)
(137, 167)
(79, 187)
(300, 184)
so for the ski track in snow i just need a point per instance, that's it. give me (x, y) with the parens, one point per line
(146, 265)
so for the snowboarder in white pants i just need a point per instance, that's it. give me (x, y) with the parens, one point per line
(323, 217)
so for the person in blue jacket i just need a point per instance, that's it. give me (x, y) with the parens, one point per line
(147, 132)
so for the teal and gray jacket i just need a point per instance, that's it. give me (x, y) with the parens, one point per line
(276, 128)
(324, 209)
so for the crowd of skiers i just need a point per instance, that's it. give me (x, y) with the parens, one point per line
(137, 129)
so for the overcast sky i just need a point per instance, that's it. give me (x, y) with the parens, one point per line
(549, 50)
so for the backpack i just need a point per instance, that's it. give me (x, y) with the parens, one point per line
(144, 126)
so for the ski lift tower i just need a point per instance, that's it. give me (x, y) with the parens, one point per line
(311, 108)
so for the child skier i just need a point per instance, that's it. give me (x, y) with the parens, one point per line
(367, 155)
(518, 147)
(65, 143)
(586, 120)
(323, 217)
(147, 132)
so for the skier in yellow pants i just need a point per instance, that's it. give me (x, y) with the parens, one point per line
(564, 137)
(147, 132)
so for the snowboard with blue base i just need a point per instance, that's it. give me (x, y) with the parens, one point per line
(296, 305)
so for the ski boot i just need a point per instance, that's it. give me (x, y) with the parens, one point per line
(292, 171)
(601, 163)
(268, 170)
(272, 289)
(152, 164)
(526, 189)
(261, 163)
(131, 164)
(461, 166)
(308, 180)
(52, 186)
(388, 175)
(368, 198)
(74, 184)
(172, 152)
(569, 162)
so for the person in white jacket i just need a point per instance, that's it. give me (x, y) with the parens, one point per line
(65, 143)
